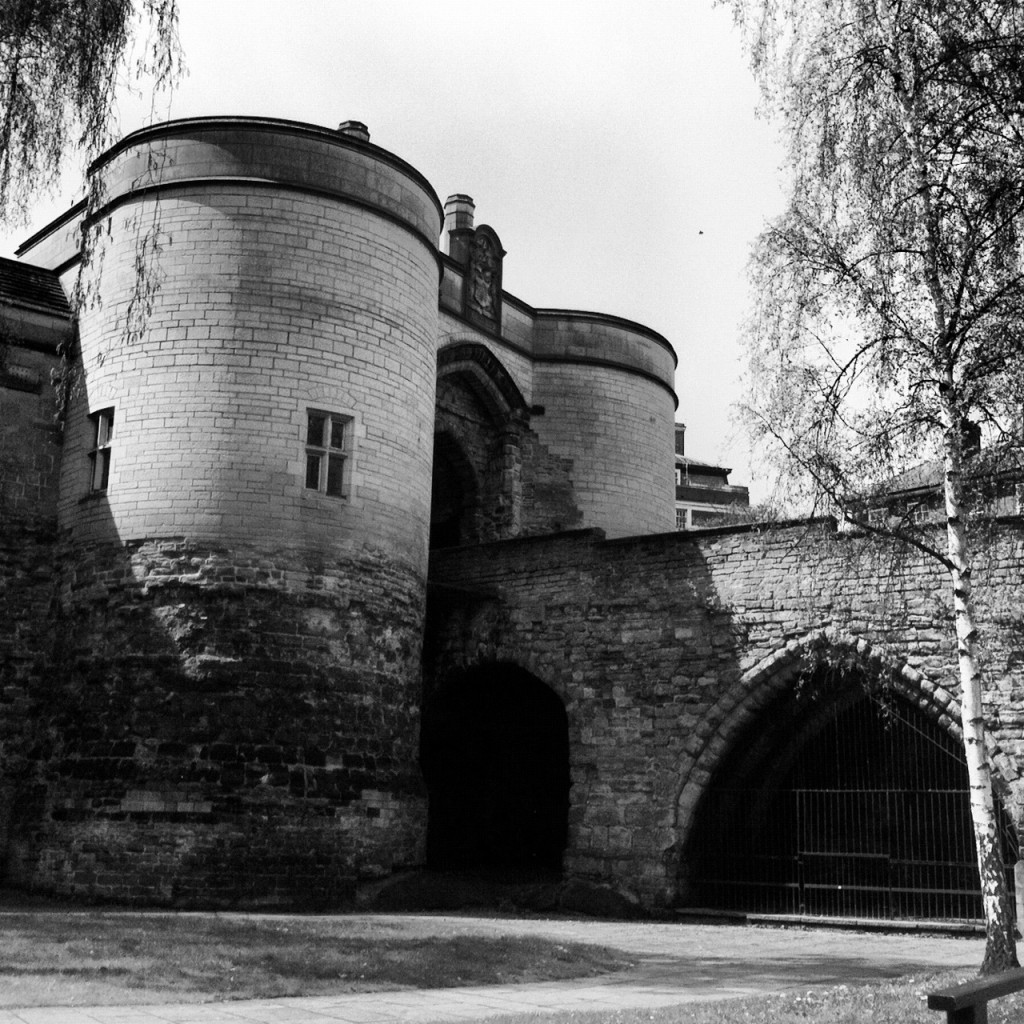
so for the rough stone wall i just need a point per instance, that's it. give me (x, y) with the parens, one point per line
(665, 648)
(29, 441)
(29, 465)
(549, 497)
(26, 640)
(223, 729)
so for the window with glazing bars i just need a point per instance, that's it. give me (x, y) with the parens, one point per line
(327, 451)
(99, 455)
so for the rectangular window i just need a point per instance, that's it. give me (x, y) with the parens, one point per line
(680, 518)
(327, 451)
(99, 454)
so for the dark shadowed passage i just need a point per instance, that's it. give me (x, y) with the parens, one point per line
(849, 807)
(495, 757)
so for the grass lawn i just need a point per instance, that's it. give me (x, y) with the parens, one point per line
(82, 957)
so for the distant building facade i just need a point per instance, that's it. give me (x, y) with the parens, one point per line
(704, 496)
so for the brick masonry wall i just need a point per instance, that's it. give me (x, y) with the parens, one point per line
(664, 649)
(336, 311)
(29, 441)
(27, 597)
(618, 430)
(223, 730)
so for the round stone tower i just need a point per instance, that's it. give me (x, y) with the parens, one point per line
(606, 386)
(245, 500)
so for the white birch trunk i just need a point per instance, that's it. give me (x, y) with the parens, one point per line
(1000, 940)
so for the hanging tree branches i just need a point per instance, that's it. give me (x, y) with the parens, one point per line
(61, 64)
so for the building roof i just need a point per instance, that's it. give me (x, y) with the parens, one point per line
(1000, 461)
(29, 287)
(706, 467)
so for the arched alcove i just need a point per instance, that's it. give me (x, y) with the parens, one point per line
(495, 758)
(844, 801)
(480, 416)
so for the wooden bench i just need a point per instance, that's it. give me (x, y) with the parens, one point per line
(968, 1003)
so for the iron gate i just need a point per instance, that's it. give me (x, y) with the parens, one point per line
(869, 818)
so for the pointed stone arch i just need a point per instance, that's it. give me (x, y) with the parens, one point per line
(753, 740)
(760, 684)
(490, 381)
(480, 417)
(454, 498)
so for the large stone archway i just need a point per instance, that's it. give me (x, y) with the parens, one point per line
(495, 758)
(479, 420)
(493, 477)
(739, 706)
(831, 781)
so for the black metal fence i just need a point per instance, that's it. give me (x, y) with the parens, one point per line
(869, 818)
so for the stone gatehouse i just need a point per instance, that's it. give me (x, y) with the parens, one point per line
(671, 653)
(342, 560)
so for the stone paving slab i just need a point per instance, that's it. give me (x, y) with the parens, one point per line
(677, 964)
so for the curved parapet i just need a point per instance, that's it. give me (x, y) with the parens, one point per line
(266, 153)
(339, 165)
(606, 387)
(574, 336)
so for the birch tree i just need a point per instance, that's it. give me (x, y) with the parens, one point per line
(890, 295)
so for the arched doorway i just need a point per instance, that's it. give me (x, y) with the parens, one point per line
(495, 758)
(479, 419)
(453, 498)
(843, 806)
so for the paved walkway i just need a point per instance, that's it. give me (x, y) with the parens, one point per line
(677, 964)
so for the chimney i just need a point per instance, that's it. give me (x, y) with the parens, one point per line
(680, 439)
(354, 130)
(458, 226)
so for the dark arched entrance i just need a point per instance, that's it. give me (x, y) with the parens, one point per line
(495, 758)
(850, 807)
(453, 498)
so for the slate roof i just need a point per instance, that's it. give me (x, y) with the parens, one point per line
(1000, 461)
(927, 476)
(30, 287)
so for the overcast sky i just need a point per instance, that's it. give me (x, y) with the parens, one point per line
(612, 144)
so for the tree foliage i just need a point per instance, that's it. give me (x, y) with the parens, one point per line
(61, 64)
(890, 317)
(894, 278)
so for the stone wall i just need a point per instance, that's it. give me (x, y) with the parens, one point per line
(665, 649)
(26, 640)
(30, 444)
(222, 730)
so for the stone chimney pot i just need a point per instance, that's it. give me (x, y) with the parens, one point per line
(355, 129)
